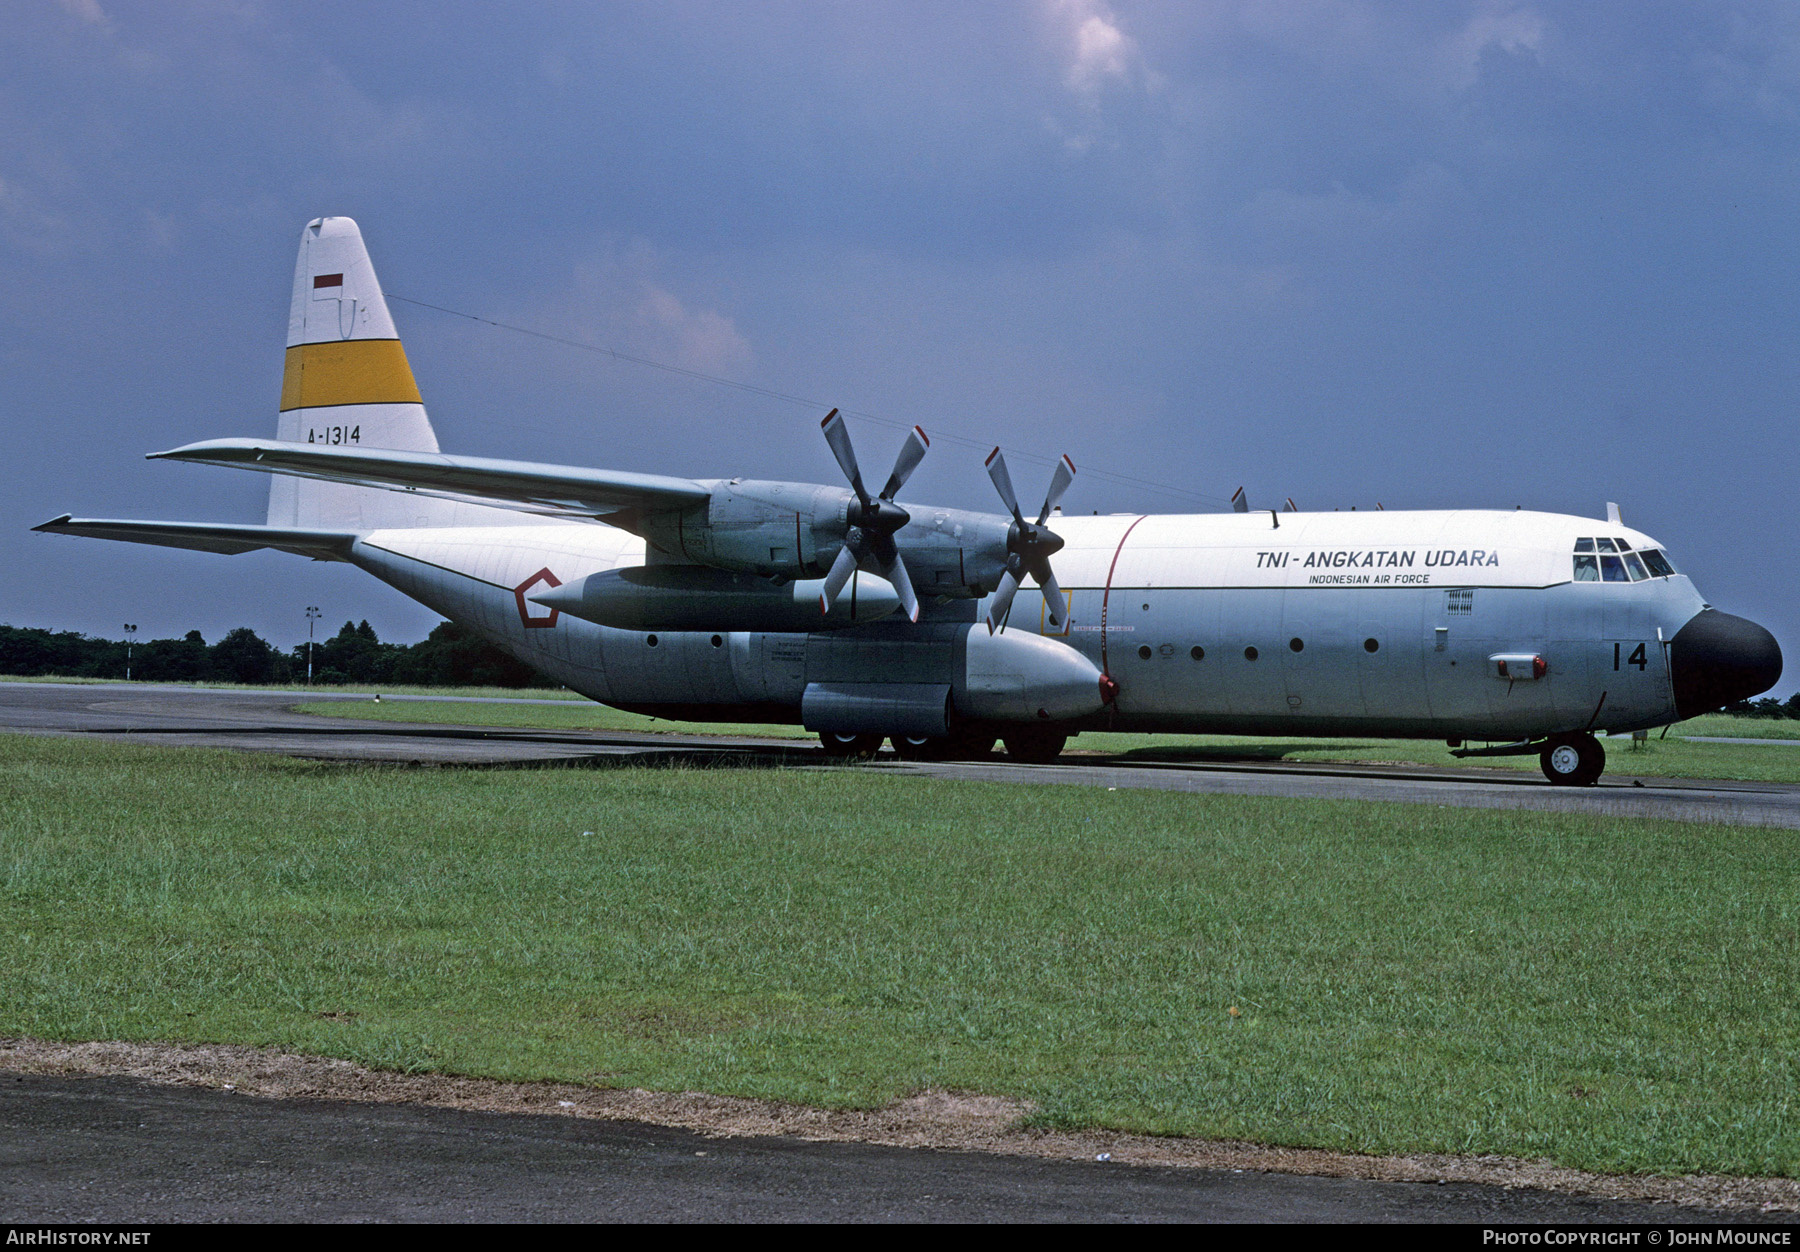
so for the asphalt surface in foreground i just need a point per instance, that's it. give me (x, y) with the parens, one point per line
(263, 722)
(121, 1150)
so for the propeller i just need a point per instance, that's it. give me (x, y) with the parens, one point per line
(869, 542)
(1029, 545)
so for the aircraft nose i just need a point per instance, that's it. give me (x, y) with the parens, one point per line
(1717, 658)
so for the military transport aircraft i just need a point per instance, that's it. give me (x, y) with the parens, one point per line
(864, 618)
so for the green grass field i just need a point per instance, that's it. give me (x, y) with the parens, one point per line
(1610, 994)
(511, 693)
(1660, 758)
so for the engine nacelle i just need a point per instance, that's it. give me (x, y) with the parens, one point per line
(794, 530)
(788, 530)
(692, 597)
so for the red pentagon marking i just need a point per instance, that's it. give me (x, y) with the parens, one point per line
(542, 576)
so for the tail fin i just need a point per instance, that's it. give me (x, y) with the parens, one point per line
(347, 383)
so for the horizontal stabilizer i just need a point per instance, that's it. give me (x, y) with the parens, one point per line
(322, 545)
(528, 486)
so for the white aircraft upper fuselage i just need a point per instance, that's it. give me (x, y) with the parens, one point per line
(701, 600)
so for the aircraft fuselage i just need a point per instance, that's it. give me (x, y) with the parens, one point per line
(1380, 623)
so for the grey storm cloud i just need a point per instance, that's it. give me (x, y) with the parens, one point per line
(1430, 254)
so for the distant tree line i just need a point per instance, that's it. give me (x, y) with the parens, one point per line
(1768, 706)
(449, 657)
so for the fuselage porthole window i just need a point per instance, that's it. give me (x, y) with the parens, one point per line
(1197, 652)
(1144, 653)
(1371, 645)
(1296, 645)
(650, 639)
(1612, 569)
(1587, 569)
(1249, 654)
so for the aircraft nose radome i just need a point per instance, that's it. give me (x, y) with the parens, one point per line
(1717, 658)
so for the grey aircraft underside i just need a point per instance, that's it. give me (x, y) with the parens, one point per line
(866, 618)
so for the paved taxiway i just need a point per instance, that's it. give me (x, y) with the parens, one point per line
(263, 722)
(121, 1150)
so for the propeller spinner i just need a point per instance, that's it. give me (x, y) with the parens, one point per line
(872, 521)
(1029, 545)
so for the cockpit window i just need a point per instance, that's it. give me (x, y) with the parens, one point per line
(1627, 566)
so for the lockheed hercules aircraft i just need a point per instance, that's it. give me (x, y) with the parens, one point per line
(863, 617)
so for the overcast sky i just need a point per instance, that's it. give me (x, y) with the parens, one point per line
(1432, 255)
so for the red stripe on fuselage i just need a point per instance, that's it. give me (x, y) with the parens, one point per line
(1106, 595)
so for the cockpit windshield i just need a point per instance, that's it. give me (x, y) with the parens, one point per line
(1605, 558)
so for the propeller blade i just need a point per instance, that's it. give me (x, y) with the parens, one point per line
(996, 468)
(839, 438)
(1054, 604)
(841, 569)
(1059, 483)
(895, 572)
(911, 453)
(1003, 598)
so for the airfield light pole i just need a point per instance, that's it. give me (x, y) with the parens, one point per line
(312, 615)
(130, 637)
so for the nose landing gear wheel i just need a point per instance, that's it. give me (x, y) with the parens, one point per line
(850, 747)
(1573, 760)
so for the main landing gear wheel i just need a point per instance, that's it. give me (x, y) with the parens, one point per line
(1573, 760)
(920, 747)
(850, 747)
(1034, 746)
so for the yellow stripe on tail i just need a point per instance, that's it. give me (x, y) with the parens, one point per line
(349, 371)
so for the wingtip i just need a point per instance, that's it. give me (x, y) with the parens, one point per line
(55, 522)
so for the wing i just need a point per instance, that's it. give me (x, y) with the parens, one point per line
(530, 487)
(321, 545)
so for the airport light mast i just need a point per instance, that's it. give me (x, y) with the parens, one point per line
(312, 615)
(130, 637)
